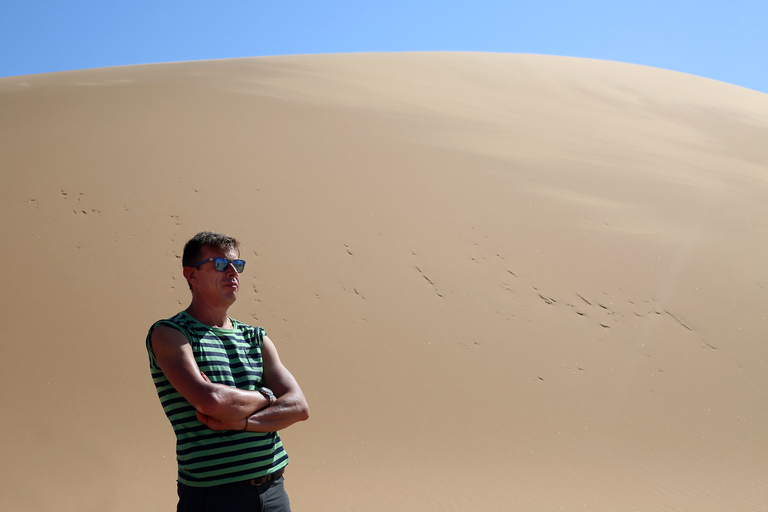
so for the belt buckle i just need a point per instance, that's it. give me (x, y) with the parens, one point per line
(266, 478)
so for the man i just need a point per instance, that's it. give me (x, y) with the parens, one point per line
(224, 389)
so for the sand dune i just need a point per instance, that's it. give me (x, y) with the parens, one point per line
(505, 282)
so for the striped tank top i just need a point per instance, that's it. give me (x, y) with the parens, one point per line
(226, 356)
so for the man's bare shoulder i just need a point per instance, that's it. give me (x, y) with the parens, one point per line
(165, 336)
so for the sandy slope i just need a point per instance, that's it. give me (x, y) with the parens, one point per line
(505, 282)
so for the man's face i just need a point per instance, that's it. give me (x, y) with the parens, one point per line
(213, 285)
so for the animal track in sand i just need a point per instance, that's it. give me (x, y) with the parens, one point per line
(547, 300)
(608, 312)
(78, 210)
(429, 281)
(678, 320)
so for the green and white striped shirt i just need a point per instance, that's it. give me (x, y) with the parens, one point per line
(226, 356)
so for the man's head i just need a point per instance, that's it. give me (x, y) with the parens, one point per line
(194, 248)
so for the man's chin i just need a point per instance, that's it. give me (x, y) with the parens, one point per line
(230, 295)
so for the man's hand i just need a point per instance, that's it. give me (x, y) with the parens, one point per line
(214, 424)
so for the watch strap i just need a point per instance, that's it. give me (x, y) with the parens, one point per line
(268, 394)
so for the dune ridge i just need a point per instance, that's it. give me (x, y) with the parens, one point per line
(505, 282)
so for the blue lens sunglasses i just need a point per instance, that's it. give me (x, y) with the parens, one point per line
(221, 264)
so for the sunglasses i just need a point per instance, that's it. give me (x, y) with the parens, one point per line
(221, 264)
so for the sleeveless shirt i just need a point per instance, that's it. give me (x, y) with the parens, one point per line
(226, 356)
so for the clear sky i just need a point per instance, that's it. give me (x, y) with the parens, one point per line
(726, 40)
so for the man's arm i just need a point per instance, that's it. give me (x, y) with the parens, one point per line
(290, 406)
(175, 357)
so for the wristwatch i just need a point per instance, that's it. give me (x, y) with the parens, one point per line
(268, 394)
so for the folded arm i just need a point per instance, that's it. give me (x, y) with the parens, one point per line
(174, 355)
(289, 407)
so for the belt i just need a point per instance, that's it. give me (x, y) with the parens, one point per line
(267, 478)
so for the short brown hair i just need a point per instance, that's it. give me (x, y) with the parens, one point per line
(195, 245)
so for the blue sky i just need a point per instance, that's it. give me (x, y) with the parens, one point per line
(724, 40)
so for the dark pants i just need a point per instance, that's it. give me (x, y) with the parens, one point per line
(237, 497)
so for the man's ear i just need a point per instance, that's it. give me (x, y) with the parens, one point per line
(190, 274)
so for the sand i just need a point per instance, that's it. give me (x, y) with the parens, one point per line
(505, 282)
